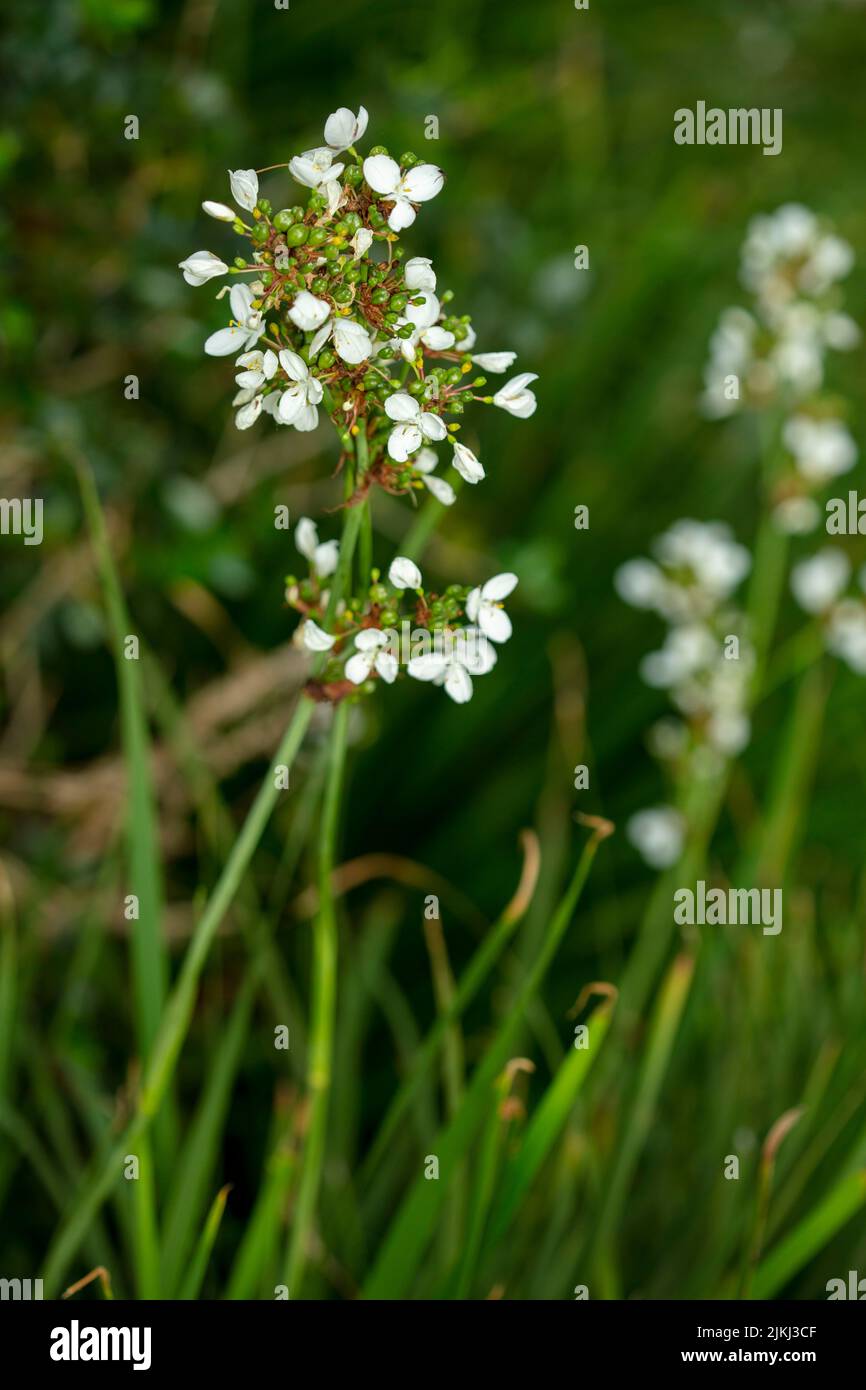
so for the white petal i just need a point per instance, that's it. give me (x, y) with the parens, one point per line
(423, 182)
(315, 639)
(292, 402)
(432, 427)
(422, 315)
(358, 667)
(343, 128)
(402, 441)
(326, 557)
(307, 312)
(419, 273)
(370, 639)
(494, 361)
(221, 211)
(248, 414)
(241, 301)
(473, 603)
(402, 215)
(381, 173)
(306, 537)
(441, 490)
(294, 366)
(245, 187)
(401, 406)
(386, 665)
(438, 339)
(427, 667)
(404, 573)
(467, 465)
(500, 586)
(361, 242)
(458, 683)
(305, 172)
(202, 266)
(307, 418)
(225, 341)
(352, 342)
(474, 651)
(494, 623)
(426, 460)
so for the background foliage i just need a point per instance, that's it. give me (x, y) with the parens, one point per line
(555, 129)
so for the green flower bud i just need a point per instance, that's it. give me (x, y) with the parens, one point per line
(378, 149)
(317, 236)
(456, 407)
(265, 205)
(379, 297)
(378, 593)
(398, 302)
(354, 175)
(319, 285)
(377, 221)
(352, 274)
(352, 222)
(404, 331)
(388, 617)
(297, 235)
(408, 159)
(343, 294)
(239, 262)
(260, 232)
(284, 219)
(330, 252)
(326, 360)
(267, 278)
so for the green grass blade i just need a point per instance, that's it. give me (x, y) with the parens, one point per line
(407, 1237)
(191, 1286)
(810, 1235)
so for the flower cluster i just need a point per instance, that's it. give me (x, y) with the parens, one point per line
(773, 357)
(822, 586)
(396, 625)
(336, 320)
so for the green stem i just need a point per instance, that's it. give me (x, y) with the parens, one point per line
(321, 1045)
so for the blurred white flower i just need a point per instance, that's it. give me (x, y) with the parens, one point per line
(819, 581)
(322, 556)
(822, 449)
(846, 634)
(425, 462)
(658, 834)
(495, 361)
(315, 638)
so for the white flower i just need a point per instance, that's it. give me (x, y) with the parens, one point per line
(708, 549)
(419, 274)
(221, 211)
(258, 367)
(658, 833)
(484, 606)
(404, 573)
(460, 656)
(417, 185)
(361, 243)
(343, 129)
(413, 427)
(309, 313)
(315, 638)
(315, 167)
(245, 188)
(322, 556)
(202, 266)
(421, 318)
(467, 465)
(641, 584)
(818, 582)
(515, 398)
(246, 330)
(370, 656)
(822, 449)
(352, 342)
(297, 404)
(424, 463)
(686, 651)
(846, 634)
(495, 361)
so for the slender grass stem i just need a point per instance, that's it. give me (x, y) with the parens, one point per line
(321, 1044)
